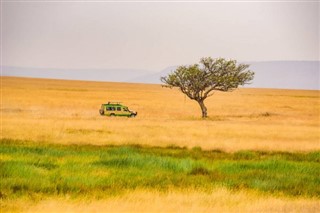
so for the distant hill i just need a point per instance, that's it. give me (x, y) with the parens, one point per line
(153, 78)
(112, 75)
(286, 74)
(269, 74)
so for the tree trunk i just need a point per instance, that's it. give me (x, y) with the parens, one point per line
(203, 109)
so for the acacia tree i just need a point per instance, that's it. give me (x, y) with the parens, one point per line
(199, 81)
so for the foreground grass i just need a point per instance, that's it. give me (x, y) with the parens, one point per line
(219, 200)
(31, 170)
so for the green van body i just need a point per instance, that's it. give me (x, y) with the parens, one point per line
(116, 109)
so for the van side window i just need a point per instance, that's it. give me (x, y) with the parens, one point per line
(118, 108)
(109, 108)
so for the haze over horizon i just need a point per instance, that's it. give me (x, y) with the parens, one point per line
(271, 74)
(150, 36)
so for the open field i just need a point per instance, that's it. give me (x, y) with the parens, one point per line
(257, 151)
(66, 112)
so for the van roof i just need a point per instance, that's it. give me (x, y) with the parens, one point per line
(114, 102)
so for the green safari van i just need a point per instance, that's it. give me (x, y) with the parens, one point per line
(116, 109)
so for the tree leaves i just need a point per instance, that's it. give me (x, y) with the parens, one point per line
(198, 81)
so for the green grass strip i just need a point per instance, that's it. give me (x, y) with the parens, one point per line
(33, 169)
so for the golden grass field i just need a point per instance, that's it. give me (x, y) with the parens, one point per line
(221, 200)
(66, 112)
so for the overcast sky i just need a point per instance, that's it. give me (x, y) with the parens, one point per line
(154, 35)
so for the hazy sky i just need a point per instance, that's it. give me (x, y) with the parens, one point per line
(154, 35)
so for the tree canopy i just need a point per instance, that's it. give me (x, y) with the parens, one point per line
(198, 81)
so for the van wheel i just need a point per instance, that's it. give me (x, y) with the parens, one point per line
(132, 116)
(112, 115)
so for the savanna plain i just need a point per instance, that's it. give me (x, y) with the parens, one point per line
(258, 151)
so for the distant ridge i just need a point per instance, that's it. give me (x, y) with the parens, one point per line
(268, 74)
(113, 75)
(154, 78)
(286, 74)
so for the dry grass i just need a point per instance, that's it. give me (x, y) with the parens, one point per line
(220, 200)
(66, 112)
